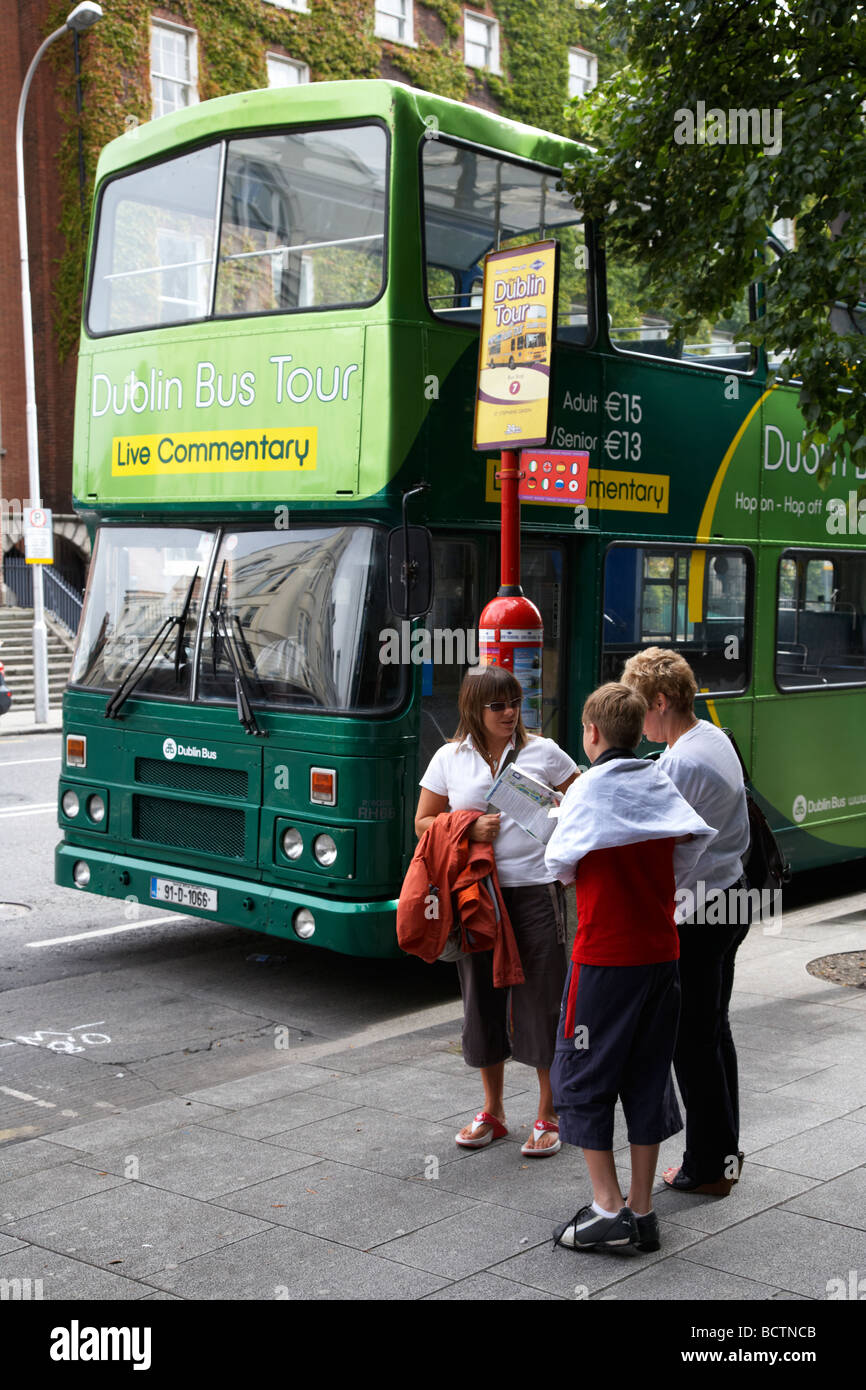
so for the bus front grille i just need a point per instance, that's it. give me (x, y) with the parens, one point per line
(190, 777)
(189, 825)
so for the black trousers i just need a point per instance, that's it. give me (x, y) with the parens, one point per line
(705, 1059)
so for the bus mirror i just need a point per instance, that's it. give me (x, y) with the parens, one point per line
(410, 571)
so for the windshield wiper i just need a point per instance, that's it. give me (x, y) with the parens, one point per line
(244, 644)
(144, 662)
(221, 632)
(181, 625)
(149, 655)
(214, 621)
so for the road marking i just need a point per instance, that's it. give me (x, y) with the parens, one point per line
(8, 812)
(101, 931)
(22, 1095)
(17, 1133)
(21, 762)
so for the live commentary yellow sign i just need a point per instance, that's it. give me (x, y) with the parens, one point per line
(518, 326)
(607, 489)
(214, 451)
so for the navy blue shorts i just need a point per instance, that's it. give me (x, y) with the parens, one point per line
(625, 1028)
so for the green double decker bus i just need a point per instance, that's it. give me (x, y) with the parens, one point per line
(279, 347)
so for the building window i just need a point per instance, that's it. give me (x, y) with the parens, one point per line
(300, 6)
(582, 72)
(184, 276)
(480, 41)
(395, 20)
(173, 67)
(286, 72)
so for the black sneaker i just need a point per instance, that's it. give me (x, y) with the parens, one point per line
(587, 1229)
(647, 1232)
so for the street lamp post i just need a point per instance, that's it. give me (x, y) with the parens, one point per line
(79, 19)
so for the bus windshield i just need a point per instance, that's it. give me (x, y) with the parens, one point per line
(306, 607)
(303, 609)
(262, 224)
(138, 579)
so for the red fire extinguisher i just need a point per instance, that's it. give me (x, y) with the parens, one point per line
(510, 629)
(511, 635)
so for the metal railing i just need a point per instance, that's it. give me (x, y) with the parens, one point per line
(61, 598)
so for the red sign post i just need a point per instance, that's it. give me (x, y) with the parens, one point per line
(512, 406)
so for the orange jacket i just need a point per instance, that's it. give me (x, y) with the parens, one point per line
(444, 887)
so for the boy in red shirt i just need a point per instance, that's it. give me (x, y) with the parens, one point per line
(623, 835)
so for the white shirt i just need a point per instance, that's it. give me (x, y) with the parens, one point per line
(458, 771)
(705, 770)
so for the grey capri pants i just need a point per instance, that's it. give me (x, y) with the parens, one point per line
(520, 1022)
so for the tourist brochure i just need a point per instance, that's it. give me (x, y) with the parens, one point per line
(525, 800)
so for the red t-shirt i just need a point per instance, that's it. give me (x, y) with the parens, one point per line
(625, 905)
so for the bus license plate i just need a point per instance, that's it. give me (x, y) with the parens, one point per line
(163, 890)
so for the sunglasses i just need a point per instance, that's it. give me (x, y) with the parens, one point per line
(497, 706)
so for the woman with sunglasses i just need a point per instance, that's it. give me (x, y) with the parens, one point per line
(521, 1022)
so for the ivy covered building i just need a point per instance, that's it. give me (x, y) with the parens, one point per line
(523, 58)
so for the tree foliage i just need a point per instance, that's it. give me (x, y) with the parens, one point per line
(694, 213)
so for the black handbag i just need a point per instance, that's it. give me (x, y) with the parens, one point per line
(764, 865)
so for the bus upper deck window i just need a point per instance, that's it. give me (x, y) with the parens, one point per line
(475, 202)
(303, 222)
(154, 247)
(301, 214)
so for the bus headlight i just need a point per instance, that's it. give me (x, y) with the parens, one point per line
(303, 923)
(70, 803)
(292, 843)
(324, 850)
(96, 808)
(81, 873)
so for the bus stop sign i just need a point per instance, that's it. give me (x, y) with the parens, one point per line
(515, 350)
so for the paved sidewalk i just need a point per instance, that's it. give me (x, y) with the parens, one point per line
(330, 1171)
(23, 721)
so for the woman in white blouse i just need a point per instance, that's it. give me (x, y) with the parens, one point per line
(521, 1022)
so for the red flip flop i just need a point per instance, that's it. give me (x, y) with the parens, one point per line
(541, 1127)
(498, 1131)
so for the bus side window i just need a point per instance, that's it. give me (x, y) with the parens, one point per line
(821, 622)
(695, 599)
(637, 324)
(475, 202)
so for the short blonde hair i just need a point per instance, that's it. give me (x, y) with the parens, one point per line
(661, 671)
(618, 712)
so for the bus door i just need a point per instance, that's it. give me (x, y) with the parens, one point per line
(460, 566)
(466, 576)
(542, 576)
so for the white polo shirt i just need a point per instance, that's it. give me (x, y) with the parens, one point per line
(458, 771)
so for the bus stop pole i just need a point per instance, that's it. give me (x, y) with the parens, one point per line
(509, 477)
